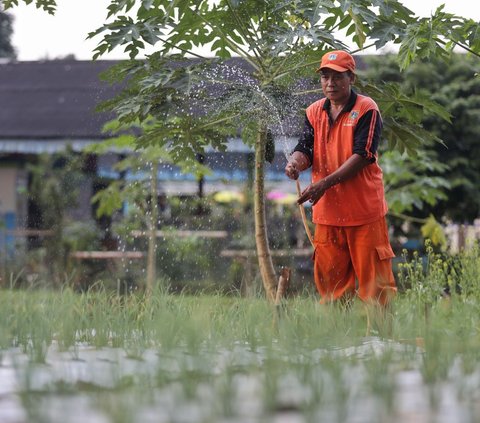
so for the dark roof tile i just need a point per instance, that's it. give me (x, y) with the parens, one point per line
(52, 99)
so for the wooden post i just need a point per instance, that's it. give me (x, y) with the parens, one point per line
(283, 282)
(152, 232)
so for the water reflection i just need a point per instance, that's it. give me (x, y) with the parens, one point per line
(375, 380)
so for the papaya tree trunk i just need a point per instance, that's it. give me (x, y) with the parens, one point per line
(152, 232)
(265, 262)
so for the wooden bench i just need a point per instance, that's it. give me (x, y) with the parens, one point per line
(107, 255)
(295, 252)
(182, 234)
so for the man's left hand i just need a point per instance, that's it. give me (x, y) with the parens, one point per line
(312, 193)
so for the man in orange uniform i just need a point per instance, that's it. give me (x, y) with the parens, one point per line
(339, 140)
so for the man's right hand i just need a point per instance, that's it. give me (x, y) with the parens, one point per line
(291, 170)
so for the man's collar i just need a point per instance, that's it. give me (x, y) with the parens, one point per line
(347, 108)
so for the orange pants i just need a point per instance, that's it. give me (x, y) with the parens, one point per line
(347, 255)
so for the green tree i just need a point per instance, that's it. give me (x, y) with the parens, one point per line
(6, 30)
(281, 41)
(452, 82)
(141, 196)
(455, 84)
(56, 180)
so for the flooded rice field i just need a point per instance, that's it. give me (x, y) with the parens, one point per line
(372, 380)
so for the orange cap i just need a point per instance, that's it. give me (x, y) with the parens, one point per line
(338, 60)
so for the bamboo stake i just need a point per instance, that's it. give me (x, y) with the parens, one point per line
(283, 282)
(304, 217)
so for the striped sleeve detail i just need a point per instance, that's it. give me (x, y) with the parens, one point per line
(305, 142)
(371, 133)
(367, 135)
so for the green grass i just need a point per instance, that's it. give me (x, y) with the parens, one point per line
(208, 358)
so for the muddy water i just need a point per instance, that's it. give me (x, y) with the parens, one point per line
(234, 385)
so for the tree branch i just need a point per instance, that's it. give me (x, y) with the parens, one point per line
(244, 31)
(236, 48)
(181, 49)
(407, 217)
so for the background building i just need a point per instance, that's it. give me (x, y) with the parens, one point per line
(49, 106)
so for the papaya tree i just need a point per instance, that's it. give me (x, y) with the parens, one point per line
(280, 42)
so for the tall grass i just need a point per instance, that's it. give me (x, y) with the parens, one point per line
(180, 358)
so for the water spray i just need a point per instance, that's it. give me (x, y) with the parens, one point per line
(249, 92)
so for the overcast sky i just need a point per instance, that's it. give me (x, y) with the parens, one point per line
(38, 35)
